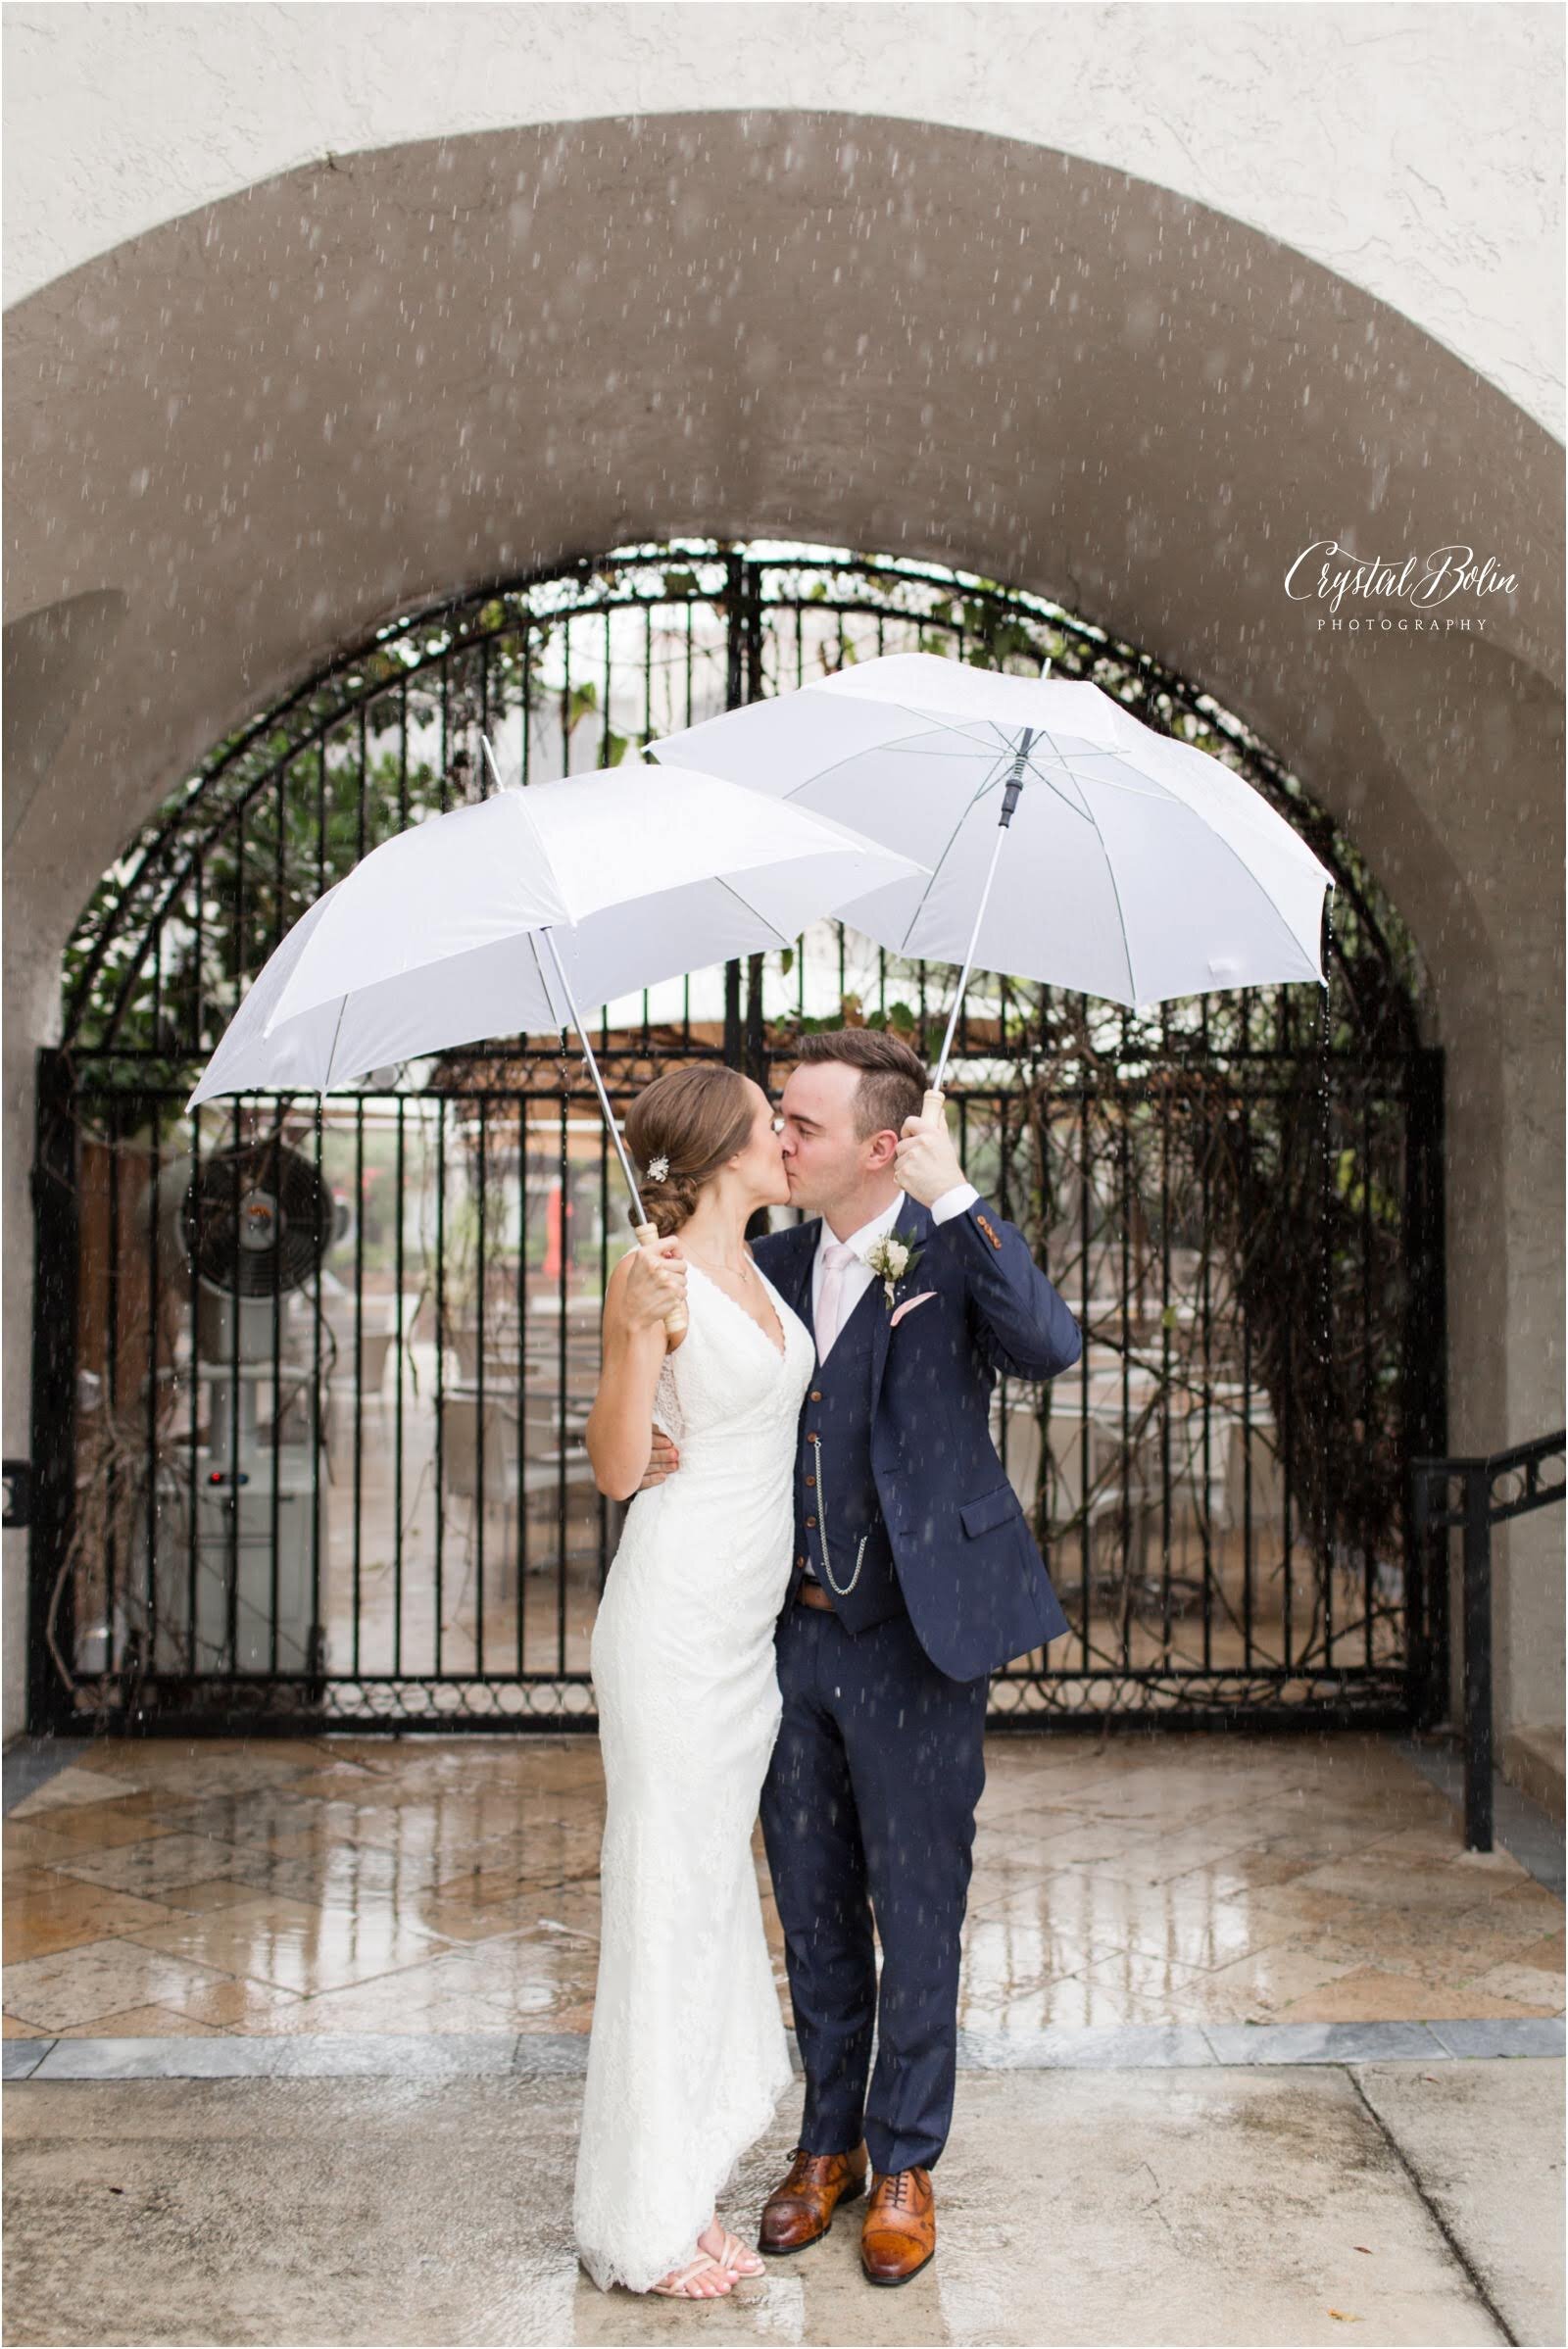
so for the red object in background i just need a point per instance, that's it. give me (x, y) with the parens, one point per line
(556, 1231)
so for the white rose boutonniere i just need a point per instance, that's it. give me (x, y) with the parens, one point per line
(891, 1259)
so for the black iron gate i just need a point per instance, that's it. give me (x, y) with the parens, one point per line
(310, 1374)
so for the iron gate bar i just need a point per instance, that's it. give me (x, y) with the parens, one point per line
(1475, 1514)
(1105, 1091)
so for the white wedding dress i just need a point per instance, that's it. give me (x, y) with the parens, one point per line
(688, 2056)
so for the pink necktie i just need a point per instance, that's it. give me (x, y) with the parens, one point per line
(837, 1256)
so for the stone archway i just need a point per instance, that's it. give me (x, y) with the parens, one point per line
(271, 423)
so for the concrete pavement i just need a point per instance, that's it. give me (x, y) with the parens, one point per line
(1415, 2201)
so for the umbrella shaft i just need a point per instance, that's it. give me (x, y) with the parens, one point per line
(582, 1034)
(1008, 803)
(593, 1071)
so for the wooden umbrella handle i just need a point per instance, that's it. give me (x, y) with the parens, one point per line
(675, 1318)
(934, 1108)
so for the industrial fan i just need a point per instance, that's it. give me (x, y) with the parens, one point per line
(253, 1225)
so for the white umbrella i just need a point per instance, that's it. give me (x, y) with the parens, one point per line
(1139, 867)
(497, 918)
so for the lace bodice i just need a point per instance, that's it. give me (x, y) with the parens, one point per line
(728, 1372)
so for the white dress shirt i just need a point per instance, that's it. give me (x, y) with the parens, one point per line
(857, 1278)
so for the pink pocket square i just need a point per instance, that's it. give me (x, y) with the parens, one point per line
(909, 1306)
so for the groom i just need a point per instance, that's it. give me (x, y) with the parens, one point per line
(915, 1577)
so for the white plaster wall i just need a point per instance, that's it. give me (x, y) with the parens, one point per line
(1413, 150)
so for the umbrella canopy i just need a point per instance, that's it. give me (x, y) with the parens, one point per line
(495, 917)
(498, 918)
(1136, 866)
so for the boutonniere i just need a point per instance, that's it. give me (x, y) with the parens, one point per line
(891, 1260)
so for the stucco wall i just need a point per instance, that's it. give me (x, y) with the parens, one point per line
(1412, 150)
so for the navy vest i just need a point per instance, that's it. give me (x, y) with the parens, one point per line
(839, 1500)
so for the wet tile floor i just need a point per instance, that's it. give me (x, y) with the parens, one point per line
(420, 1885)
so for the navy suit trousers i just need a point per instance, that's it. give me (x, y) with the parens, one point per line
(868, 1811)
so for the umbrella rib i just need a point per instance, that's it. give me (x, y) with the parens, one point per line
(990, 783)
(994, 737)
(1111, 870)
(833, 764)
(975, 796)
(755, 912)
(1256, 880)
(1215, 834)
(342, 1007)
(533, 941)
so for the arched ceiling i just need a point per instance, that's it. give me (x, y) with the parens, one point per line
(273, 422)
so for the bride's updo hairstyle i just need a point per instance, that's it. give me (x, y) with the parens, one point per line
(690, 1121)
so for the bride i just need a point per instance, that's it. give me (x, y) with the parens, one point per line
(688, 2056)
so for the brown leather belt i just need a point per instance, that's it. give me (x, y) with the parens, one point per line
(813, 1594)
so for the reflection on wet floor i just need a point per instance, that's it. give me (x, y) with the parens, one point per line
(350, 1883)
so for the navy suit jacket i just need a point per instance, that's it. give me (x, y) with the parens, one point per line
(969, 1568)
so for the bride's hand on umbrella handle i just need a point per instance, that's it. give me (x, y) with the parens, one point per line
(655, 1285)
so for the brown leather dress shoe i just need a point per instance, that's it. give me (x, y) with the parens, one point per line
(800, 2210)
(899, 2232)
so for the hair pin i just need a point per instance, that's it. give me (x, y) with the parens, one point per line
(658, 1167)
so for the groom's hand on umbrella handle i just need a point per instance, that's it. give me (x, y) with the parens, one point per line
(927, 1162)
(663, 1460)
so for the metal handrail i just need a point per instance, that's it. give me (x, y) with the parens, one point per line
(1477, 1508)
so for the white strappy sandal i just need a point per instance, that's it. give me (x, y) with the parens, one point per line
(735, 2258)
(676, 2285)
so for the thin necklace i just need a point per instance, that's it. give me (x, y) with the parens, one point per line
(742, 1271)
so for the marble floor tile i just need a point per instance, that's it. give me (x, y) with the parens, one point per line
(1529, 1899)
(1460, 1932)
(430, 1998)
(142, 2022)
(341, 1875)
(102, 1826)
(1550, 1953)
(155, 1862)
(26, 1880)
(240, 2006)
(1390, 1882)
(1254, 1867)
(362, 1884)
(1440, 1839)
(201, 1767)
(1068, 1840)
(99, 1978)
(69, 1912)
(28, 1841)
(1158, 1858)
(1259, 1988)
(73, 1785)
(1536, 1988)
(1069, 2000)
(238, 1817)
(294, 1944)
(207, 1892)
(1167, 1922)
(1365, 1996)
